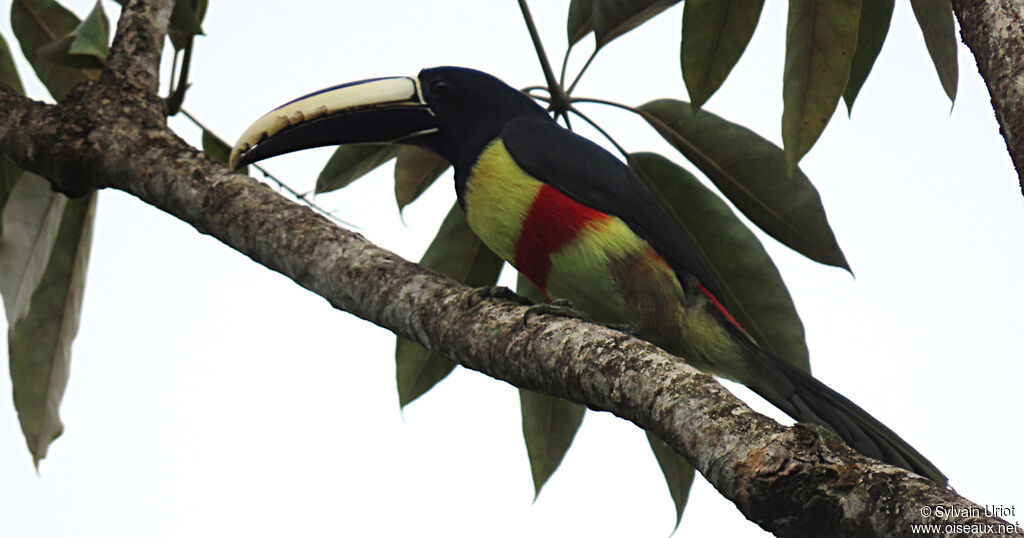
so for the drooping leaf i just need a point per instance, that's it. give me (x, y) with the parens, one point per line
(549, 423)
(415, 170)
(219, 150)
(186, 22)
(351, 162)
(458, 253)
(715, 34)
(417, 370)
(579, 22)
(612, 18)
(40, 343)
(549, 426)
(31, 220)
(754, 291)
(875, 16)
(678, 473)
(935, 18)
(8, 72)
(821, 39)
(39, 23)
(46, 238)
(752, 172)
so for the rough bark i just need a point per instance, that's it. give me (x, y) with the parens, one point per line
(796, 481)
(994, 31)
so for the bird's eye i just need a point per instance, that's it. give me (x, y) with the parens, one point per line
(440, 86)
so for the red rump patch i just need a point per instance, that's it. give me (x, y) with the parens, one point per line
(721, 308)
(552, 222)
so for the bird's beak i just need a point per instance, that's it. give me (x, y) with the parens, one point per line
(377, 110)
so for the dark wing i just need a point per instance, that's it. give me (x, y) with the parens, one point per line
(588, 174)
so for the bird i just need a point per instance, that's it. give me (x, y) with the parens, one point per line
(574, 220)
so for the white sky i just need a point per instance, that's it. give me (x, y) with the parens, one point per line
(212, 397)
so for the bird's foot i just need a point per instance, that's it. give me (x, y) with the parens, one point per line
(631, 330)
(558, 307)
(476, 296)
(563, 308)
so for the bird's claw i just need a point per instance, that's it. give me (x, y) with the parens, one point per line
(631, 330)
(558, 307)
(476, 296)
(562, 307)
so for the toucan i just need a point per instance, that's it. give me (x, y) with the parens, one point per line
(574, 220)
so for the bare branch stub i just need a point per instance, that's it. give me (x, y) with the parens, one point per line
(138, 44)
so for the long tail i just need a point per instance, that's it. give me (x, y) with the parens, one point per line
(808, 400)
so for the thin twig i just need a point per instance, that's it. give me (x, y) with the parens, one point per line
(559, 102)
(600, 130)
(609, 103)
(653, 120)
(565, 64)
(174, 71)
(175, 99)
(580, 74)
(528, 91)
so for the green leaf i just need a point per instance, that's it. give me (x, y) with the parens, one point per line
(91, 36)
(417, 370)
(456, 252)
(200, 7)
(549, 423)
(40, 23)
(821, 39)
(219, 150)
(875, 16)
(715, 34)
(579, 22)
(415, 170)
(40, 343)
(612, 18)
(549, 426)
(351, 162)
(753, 173)
(752, 285)
(9, 174)
(31, 220)
(58, 52)
(186, 22)
(678, 473)
(935, 17)
(8, 72)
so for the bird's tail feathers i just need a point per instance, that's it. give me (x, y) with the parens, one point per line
(806, 399)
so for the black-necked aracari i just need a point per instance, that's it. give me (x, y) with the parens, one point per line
(574, 220)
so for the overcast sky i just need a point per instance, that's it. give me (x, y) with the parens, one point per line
(212, 397)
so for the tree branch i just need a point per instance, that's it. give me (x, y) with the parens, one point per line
(994, 31)
(138, 43)
(797, 481)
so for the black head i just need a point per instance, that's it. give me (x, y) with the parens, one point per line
(452, 111)
(470, 107)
